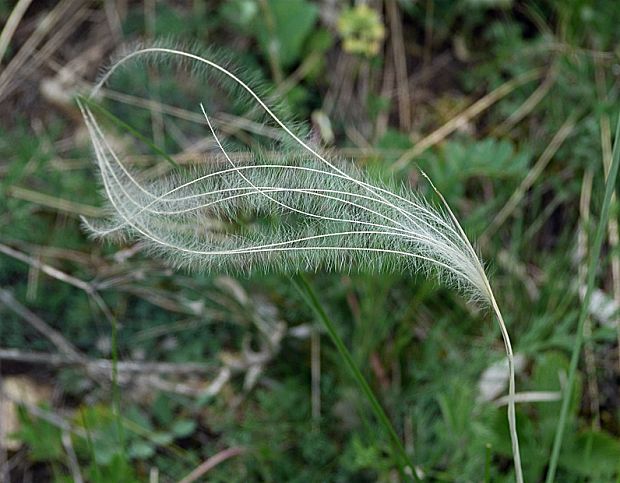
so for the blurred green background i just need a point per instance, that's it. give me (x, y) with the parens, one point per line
(509, 106)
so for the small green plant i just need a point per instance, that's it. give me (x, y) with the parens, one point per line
(289, 209)
(362, 30)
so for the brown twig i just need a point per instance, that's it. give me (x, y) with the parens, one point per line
(211, 463)
(114, 19)
(565, 130)
(47, 269)
(387, 90)
(105, 365)
(582, 255)
(428, 33)
(50, 417)
(157, 120)
(59, 204)
(64, 346)
(74, 466)
(66, 15)
(613, 235)
(400, 65)
(461, 119)
(11, 24)
(59, 275)
(529, 104)
(5, 471)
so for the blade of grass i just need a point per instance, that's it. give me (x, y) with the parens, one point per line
(487, 463)
(55, 203)
(11, 24)
(613, 233)
(406, 468)
(610, 186)
(123, 125)
(90, 446)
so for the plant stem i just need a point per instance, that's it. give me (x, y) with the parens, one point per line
(592, 266)
(487, 464)
(116, 394)
(309, 295)
(512, 417)
(90, 446)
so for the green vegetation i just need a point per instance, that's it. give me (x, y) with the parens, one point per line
(139, 371)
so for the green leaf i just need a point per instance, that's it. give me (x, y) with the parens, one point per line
(548, 371)
(239, 12)
(118, 469)
(139, 417)
(42, 438)
(183, 427)
(162, 410)
(595, 454)
(281, 30)
(100, 422)
(161, 438)
(141, 450)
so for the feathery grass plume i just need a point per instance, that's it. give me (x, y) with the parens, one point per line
(289, 211)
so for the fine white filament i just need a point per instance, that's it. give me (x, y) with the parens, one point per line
(305, 212)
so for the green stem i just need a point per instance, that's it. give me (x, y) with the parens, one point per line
(91, 446)
(585, 304)
(487, 463)
(116, 394)
(123, 125)
(308, 293)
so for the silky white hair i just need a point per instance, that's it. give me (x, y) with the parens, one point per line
(295, 210)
